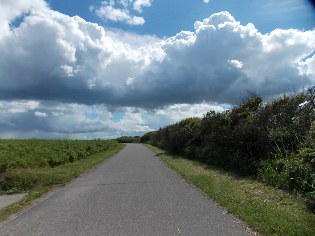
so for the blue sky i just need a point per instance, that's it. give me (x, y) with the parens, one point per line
(102, 69)
(165, 18)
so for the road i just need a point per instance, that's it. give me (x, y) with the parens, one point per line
(133, 193)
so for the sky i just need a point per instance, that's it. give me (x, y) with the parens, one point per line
(103, 69)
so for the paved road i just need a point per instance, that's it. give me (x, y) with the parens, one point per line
(132, 193)
(6, 200)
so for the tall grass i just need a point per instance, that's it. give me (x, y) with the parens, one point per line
(18, 158)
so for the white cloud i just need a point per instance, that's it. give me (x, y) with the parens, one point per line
(132, 121)
(78, 49)
(69, 71)
(307, 66)
(116, 14)
(310, 64)
(120, 11)
(40, 114)
(77, 120)
(132, 39)
(236, 63)
(214, 64)
(177, 112)
(218, 62)
(139, 4)
(222, 59)
(206, 1)
(13, 9)
(18, 106)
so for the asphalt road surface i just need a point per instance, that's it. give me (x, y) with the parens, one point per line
(132, 193)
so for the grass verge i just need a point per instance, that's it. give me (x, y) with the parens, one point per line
(267, 210)
(49, 178)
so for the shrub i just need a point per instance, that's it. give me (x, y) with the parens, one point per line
(274, 141)
(129, 139)
(290, 173)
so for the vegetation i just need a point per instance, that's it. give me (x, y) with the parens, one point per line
(273, 142)
(43, 179)
(20, 160)
(265, 209)
(129, 139)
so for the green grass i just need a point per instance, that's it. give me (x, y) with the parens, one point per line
(267, 210)
(34, 153)
(42, 180)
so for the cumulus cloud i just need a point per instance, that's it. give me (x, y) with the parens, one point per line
(57, 120)
(217, 62)
(139, 4)
(119, 11)
(222, 59)
(115, 14)
(132, 121)
(54, 120)
(177, 112)
(10, 10)
(86, 64)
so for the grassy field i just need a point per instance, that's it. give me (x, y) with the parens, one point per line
(39, 179)
(35, 153)
(267, 210)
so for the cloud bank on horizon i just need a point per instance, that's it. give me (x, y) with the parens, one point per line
(56, 70)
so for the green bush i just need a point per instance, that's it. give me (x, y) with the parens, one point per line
(244, 140)
(19, 179)
(290, 173)
(128, 139)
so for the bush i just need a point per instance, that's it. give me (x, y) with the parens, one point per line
(289, 173)
(129, 139)
(272, 141)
